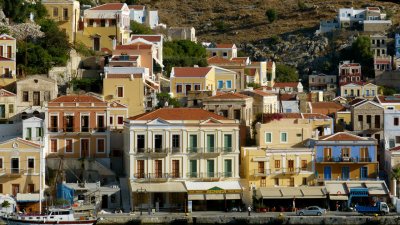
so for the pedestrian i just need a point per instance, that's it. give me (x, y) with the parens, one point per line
(249, 209)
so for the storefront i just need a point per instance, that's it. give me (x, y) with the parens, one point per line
(214, 196)
(167, 196)
(28, 202)
(281, 199)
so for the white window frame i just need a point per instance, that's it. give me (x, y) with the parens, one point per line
(72, 146)
(226, 84)
(280, 137)
(265, 137)
(80, 120)
(97, 146)
(194, 86)
(104, 119)
(2, 162)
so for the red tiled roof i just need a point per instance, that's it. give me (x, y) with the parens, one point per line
(108, 6)
(191, 71)
(288, 97)
(5, 59)
(6, 37)
(150, 38)
(389, 99)
(5, 93)
(286, 84)
(224, 45)
(325, 108)
(219, 60)
(357, 100)
(342, 136)
(315, 116)
(374, 8)
(178, 114)
(133, 47)
(262, 93)
(397, 148)
(264, 87)
(240, 59)
(229, 95)
(136, 7)
(76, 98)
(28, 142)
(350, 64)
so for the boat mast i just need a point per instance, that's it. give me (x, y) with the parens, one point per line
(40, 175)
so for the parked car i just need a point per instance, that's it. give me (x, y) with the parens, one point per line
(311, 211)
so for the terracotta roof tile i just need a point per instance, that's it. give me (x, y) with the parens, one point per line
(150, 38)
(229, 95)
(397, 148)
(288, 97)
(76, 98)
(109, 6)
(325, 108)
(5, 59)
(133, 47)
(5, 93)
(286, 84)
(240, 59)
(342, 136)
(220, 60)
(315, 116)
(191, 71)
(357, 100)
(263, 93)
(389, 99)
(178, 114)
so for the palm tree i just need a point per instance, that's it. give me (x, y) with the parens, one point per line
(396, 175)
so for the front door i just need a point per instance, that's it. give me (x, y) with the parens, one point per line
(85, 148)
(104, 201)
(327, 173)
(36, 98)
(15, 189)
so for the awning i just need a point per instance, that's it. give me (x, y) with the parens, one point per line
(338, 197)
(335, 188)
(218, 186)
(269, 193)
(355, 185)
(28, 197)
(215, 197)
(196, 197)
(378, 188)
(170, 187)
(313, 192)
(232, 196)
(291, 192)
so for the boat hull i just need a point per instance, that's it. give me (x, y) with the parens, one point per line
(11, 221)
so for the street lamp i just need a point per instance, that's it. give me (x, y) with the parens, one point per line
(143, 192)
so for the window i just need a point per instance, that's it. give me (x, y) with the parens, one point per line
(53, 145)
(193, 143)
(120, 92)
(210, 142)
(85, 123)
(220, 84)
(179, 88)
(291, 165)
(327, 154)
(68, 146)
(197, 87)
(345, 152)
(210, 168)
(284, 137)
(100, 123)
(1, 188)
(100, 145)
(364, 154)
(276, 181)
(263, 182)
(113, 22)
(176, 141)
(120, 120)
(268, 137)
(140, 143)
(55, 12)
(229, 84)
(31, 188)
(65, 14)
(396, 121)
(140, 169)
(28, 133)
(31, 163)
(214, 54)
(11, 108)
(25, 96)
(175, 169)
(261, 167)
(53, 123)
(304, 164)
(193, 168)
(91, 22)
(111, 120)
(377, 121)
(228, 168)
(1, 165)
(47, 96)
(228, 142)
(304, 181)
(236, 114)
(360, 118)
(367, 92)
(225, 54)
(368, 118)
(158, 142)
(277, 164)
(102, 23)
(188, 87)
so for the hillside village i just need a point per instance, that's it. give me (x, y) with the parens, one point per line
(105, 107)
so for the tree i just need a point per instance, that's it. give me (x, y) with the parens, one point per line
(138, 28)
(5, 204)
(360, 52)
(86, 2)
(285, 73)
(131, 2)
(271, 15)
(396, 175)
(165, 97)
(16, 10)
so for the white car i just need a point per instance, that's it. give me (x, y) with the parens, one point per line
(311, 211)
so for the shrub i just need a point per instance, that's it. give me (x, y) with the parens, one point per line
(271, 15)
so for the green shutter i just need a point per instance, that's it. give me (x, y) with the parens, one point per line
(268, 137)
(210, 142)
(228, 167)
(210, 168)
(193, 168)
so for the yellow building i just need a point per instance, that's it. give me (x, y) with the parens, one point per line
(19, 170)
(8, 49)
(343, 120)
(225, 79)
(118, 113)
(184, 79)
(105, 26)
(284, 157)
(7, 106)
(66, 13)
(388, 102)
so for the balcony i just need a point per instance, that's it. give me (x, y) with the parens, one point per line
(12, 172)
(54, 129)
(175, 150)
(227, 149)
(157, 176)
(155, 153)
(261, 173)
(343, 160)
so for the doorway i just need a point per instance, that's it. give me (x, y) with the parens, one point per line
(36, 98)
(85, 148)
(104, 201)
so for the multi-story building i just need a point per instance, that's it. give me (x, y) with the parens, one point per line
(388, 102)
(20, 162)
(284, 158)
(128, 78)
(7, 106)
(226, 51)
(359, 90)
(391, 128)
(34, 91)
(167, 146)
(155, 39)
(382, 61)
(105, 26)
(8, 63)
(349, 72)
(66, 13)
(263, 102)
(322, 82)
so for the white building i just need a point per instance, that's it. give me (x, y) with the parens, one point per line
(170, 145)
(391, 128)
(140, 14)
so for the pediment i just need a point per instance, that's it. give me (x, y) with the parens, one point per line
(158, 121)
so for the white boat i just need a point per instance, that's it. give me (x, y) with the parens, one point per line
(54, 217)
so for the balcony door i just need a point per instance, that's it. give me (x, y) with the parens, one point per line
(36, 98)
(327, 173)
(345, 173)
(291, 165)
(158, 168)
(14, 165)
(175, 169)
(85, 148)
